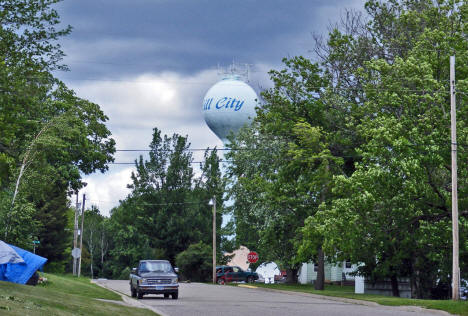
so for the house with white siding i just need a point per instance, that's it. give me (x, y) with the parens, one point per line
(333, 272)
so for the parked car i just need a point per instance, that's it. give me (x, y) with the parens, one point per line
(281, 278)
(234, 274)
(463, 293)
(463, 289)
(154, 277)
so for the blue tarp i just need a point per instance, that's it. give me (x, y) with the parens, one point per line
(21, 272)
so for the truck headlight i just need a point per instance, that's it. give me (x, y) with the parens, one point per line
(174, 280)
(144, 281)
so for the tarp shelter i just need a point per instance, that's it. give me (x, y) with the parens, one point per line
(8, 254)
(18, 270)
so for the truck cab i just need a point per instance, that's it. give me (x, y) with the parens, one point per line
(154, 277)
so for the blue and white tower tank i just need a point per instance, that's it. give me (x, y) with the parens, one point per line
(229, 105)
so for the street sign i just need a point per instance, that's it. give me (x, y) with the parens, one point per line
(76, 253)
(36, 242)
(252, 257)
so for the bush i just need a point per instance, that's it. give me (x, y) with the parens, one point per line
(125, 274)
(195, 263)
(55, 267)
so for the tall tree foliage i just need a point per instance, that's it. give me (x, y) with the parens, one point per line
(393, 213)
(294, 177)
(253, 160)
(167, 209)
(53, 214)
(49, 135)
(96, 240)
(363, 149)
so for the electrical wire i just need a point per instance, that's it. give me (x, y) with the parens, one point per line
(299, 147)
(423, 91)
(133, 163)
(151, 204)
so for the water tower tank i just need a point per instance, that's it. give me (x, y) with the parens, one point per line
(228, 105)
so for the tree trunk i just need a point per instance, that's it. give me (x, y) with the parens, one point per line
(414, 287)
(91, 247)
(104, 246)
(414, 281)
(320, 282)
(395, 290)
(291, 275)
(24, 165)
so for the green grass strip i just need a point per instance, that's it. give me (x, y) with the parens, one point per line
(453, 307)
(62, 295)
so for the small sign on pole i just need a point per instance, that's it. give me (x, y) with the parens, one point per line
(76, 253)
(35, 242)
(252, 257)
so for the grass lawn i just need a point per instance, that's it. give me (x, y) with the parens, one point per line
(62, 295)
(457, 308)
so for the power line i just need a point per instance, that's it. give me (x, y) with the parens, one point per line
(423, 91)
(152, 204)
(133, 163)
(284, 159)
(299, 147)
(377, 50)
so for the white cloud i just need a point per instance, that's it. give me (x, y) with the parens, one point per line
(105, 190)
(135, 105)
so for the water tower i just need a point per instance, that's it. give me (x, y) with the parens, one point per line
(228, 105)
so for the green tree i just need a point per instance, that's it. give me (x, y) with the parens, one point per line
(393, 213)
(254, 158)
(195, 263)
(93, 238)
(167, 209)
(52, 215)
(50, 137)
(301, 145)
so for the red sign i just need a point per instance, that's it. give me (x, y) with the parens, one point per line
(252, 257)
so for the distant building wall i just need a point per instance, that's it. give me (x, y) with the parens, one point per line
(240, 258)
(333, 272)
(385, 288)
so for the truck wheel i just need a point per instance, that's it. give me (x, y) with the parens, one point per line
(250, 279)
(166, 295)
(139, 294)
(175, 296)
(133, 291)
(220, 281)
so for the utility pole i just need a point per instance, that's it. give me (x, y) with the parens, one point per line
(453, 121)
(214, 239)
(75, 232)
(81, 233)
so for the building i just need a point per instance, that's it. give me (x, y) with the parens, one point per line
(334, 273)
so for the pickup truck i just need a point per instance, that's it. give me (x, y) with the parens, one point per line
(154, 277)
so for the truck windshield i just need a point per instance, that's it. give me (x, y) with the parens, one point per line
(155, 267)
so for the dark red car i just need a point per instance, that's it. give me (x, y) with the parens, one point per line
(234, 274)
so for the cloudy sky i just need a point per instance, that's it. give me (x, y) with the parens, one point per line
(148, 63)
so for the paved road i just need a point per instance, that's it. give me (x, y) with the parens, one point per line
(210, 300)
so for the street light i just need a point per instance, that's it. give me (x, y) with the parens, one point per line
(213, 202)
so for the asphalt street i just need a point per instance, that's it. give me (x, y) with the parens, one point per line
(206, 300)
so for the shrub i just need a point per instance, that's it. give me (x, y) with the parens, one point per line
(125, 274)
(195, 263)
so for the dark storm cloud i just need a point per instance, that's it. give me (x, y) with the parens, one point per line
(188, 36)
(149, 63)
